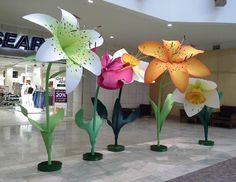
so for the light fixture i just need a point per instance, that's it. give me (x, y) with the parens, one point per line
(169, 25)
(90, 1)
(112, 37)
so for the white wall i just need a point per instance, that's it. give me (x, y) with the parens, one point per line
(182, 10)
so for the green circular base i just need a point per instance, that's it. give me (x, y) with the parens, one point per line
(206, 142)
(55, 166)
(115, 148)
(90, 157)
(158, 148)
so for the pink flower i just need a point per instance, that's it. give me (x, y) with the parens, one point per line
(114, 72)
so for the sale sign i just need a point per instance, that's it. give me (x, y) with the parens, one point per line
(60, 96)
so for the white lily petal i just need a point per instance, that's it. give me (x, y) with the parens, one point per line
(95, 39)
(212, 99)
(139, 71)
(43, 20)
(84, 38)
(205, 84)
(119, 53)
(73, 75)
(178, 96)
(192, 109)
(89, 60)
(143, 65)
(138, 77)
(67, 28)
(68, 18)
(50, 51)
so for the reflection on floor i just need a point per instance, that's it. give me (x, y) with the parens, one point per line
(21, 148)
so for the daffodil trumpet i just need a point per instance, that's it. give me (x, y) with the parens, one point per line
(92, 128)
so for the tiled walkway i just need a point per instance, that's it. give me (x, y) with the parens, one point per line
(21, 148)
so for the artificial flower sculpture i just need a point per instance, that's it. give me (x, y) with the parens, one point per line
(201, 97)
(114, 75)
(69, 43)
(73, 45)
(180, 62)
(178, 59)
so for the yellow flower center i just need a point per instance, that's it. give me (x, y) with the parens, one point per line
(127, 58)
(195, 96)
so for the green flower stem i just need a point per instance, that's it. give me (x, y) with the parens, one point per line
(158, 119)
(116, 134)
(206, 131)
(120, 92)
(94, 118)
(47, 106)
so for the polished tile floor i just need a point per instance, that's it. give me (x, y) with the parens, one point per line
(21, 148)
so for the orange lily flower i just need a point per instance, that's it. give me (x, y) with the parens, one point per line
(178, 59)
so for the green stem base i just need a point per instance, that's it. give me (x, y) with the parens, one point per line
(115, 148)
(158, 148)
(44, 167)
(90, 157)
(206, 142)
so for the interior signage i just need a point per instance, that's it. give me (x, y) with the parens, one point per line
(19, 41)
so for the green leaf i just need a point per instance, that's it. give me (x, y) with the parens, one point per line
(57, 73)
(33, 122)
(36, 124)
(101, 109)
(24, 110)
(88, 126)
(154, 106)
(30, 58)
(117, 115)
(55, 119)
(168, 104)
(48, 140)
(131, 117)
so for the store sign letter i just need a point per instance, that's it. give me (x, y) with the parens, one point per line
(16, 41)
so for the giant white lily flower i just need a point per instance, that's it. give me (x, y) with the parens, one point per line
(70, 43)
(139, 67)
(198, 94)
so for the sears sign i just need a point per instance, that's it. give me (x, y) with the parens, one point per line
(16, 41)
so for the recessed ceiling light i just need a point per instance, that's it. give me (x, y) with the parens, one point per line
(169, 25)
(112, 37)
(90, 1)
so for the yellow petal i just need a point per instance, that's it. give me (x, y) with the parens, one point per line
(127, 58)
(155, 49)
(196, 68)
(179, 76)
(154, 70)
(185, 52)
(172, 47)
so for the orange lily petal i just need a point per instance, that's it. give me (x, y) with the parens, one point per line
(185, 52)
(154, 70)
(179, 76)
(155, 49)
(172, 47)
(196, 68)
(127, 58)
